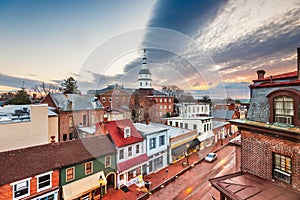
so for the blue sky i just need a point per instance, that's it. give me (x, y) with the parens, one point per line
(212, 46)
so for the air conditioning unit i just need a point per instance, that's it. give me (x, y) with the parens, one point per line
(282, 176)
(283, 119)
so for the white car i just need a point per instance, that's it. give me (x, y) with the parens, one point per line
(211, 157)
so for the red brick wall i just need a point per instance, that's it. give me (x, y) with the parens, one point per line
(6, 191)
(48, 100)
(77, 118)
(257, 156)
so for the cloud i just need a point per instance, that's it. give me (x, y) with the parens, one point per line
(17, 82)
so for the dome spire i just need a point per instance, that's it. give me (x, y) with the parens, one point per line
(144, 76)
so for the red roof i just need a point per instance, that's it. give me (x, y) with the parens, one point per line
(279, 76)
(132, 162)
(116, 132)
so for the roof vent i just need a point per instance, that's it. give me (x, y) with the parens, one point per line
(260, 74)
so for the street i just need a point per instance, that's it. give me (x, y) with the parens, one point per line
(194, 183)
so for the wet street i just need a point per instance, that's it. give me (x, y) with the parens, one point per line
(194, 183)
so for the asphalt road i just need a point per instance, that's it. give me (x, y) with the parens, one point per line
(194, 183)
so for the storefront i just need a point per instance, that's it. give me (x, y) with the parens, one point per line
(85, 188)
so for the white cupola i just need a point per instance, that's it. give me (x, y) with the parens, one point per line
(144, 77)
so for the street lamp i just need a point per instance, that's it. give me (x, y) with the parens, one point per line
(187, 154)
(101, 182)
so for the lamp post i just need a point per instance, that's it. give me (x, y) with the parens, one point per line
(101, 182)
(187, 154)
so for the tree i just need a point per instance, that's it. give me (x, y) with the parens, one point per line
(44, 89)
(178, 94)
(69, 86)
(205, 99)
(21, 98)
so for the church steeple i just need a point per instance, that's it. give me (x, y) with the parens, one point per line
(144, 77)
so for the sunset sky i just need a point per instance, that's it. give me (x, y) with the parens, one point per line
(212, 46)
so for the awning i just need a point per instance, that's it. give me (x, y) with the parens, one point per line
(77, 188)
(205, 136)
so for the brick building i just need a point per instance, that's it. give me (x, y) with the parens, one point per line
(65, 170)
(147, 103)
(74, 112)
(270, 142)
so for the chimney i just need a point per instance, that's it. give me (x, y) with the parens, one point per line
(260, 74)
(298, 62)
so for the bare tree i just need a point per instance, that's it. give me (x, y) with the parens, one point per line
(43, 89)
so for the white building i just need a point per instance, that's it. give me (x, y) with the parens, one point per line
(193, 109)
(26, 125)
(144, 77)
(203, 125)
(157, 141)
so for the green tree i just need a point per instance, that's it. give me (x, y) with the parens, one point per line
(69, 86)
(21, 98)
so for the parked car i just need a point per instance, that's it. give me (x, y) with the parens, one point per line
(211, 157)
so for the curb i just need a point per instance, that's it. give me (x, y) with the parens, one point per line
(176, 176)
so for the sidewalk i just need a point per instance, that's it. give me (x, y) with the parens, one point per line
(162, 178)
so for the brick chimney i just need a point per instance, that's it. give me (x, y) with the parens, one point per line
(298, 62)
(260, 74)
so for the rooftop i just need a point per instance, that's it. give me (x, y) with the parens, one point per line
(150, 128)
(27, 162)
(246, 186)
(280, 130)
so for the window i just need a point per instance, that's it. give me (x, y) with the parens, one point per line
(161, 140)
(21, 189)
(70, 136)
(160, 107)
(140, 83)
(65, 136)
(70, 121)
(121, 154)
(84, 120)
(126, 132)
(44, 181)
(137, 149)
(170, 100)
(110, 99)
(70, 174)
(283, 109)
(194, 126)
(152, 143)
(170, 123)
(160, 100)
(165, 106)
(176, 124)
(165, 100)
(284, 106)
(170, 107)
(88, 167)
(117, 99)
(181, 125)
(107, 161)
(129, 151)
(93, 118)
(103, 99)
(186, 125)
(282, 167)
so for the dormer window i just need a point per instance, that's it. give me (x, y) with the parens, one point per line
(126, 132)
(284, 106)
(283, 109)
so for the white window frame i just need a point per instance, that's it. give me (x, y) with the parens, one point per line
(120, 154)
(129, 151)
(106, 157)
(103, 99)
(67, 174)
(152, 145)
(18, 182)
(85, 164)
(37, 181)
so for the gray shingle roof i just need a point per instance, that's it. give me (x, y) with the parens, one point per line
(222, 114)
(75, 102)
